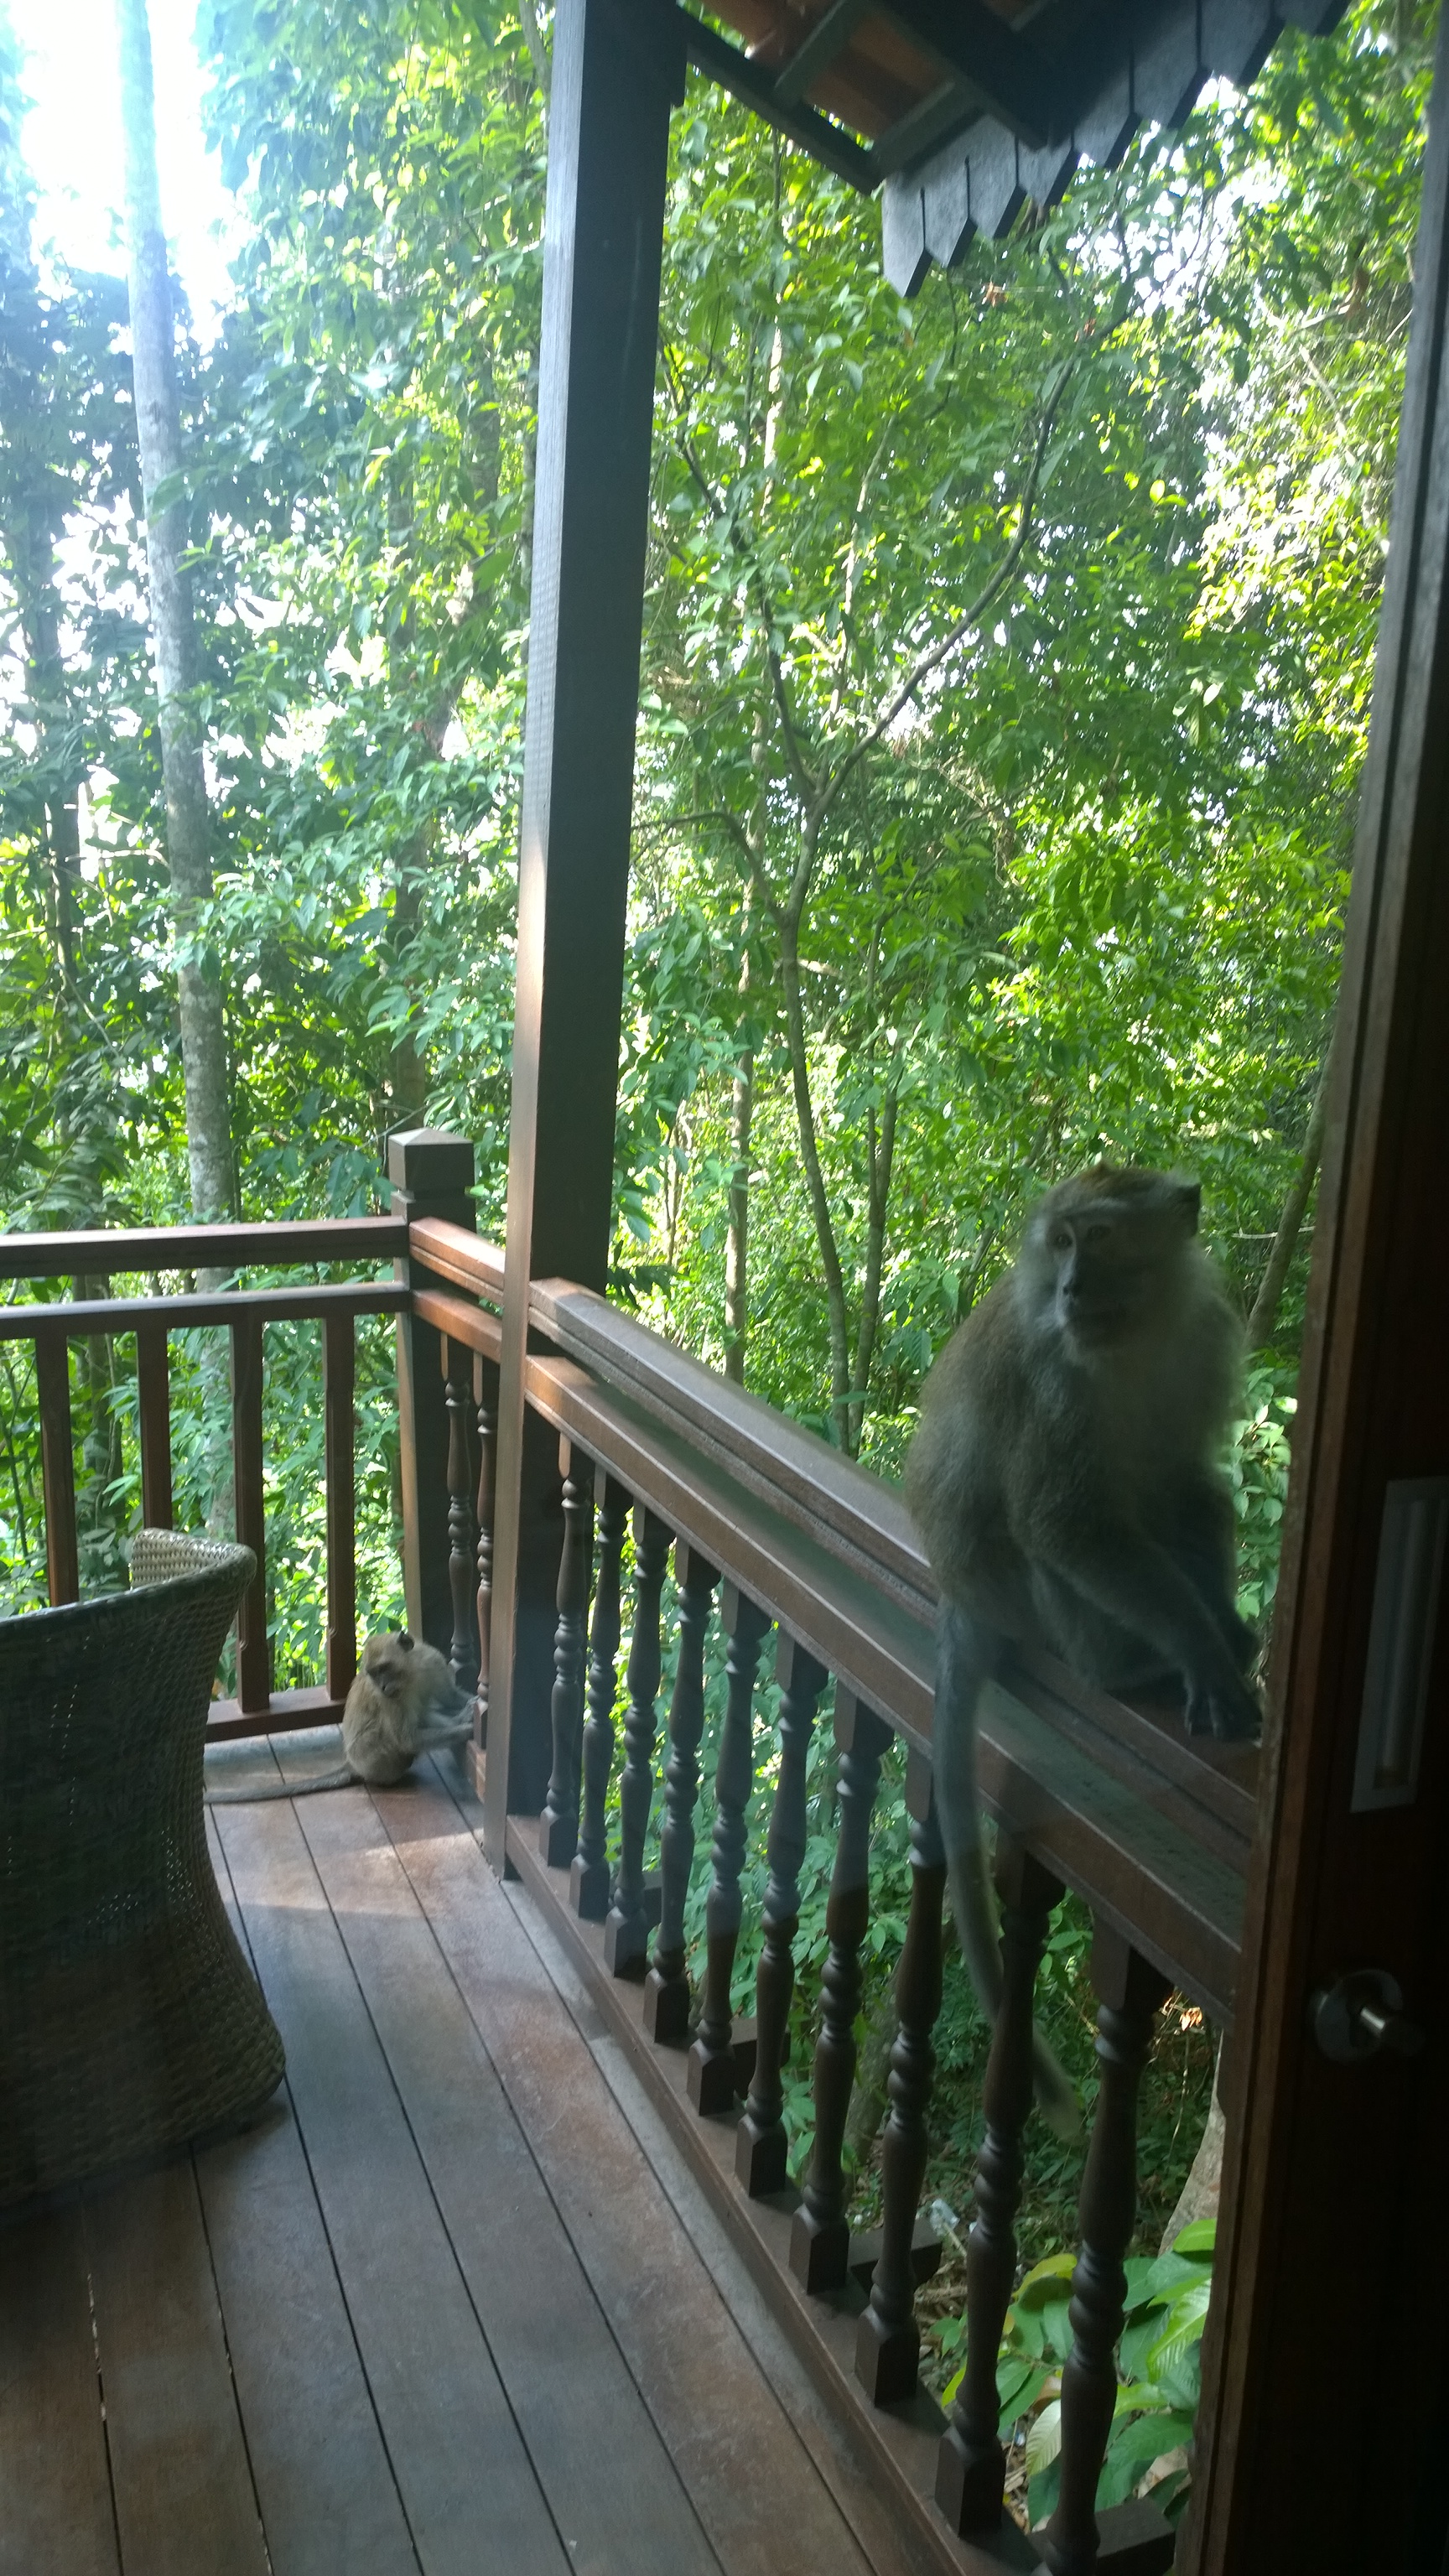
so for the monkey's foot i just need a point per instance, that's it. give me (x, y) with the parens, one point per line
(1231, 1713)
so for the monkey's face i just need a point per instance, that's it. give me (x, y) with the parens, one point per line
(385, 1662)
(1104, 1260)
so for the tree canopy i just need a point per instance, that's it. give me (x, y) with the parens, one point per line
(1006, 678)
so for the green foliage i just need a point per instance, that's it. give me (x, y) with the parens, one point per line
(1158, 2369)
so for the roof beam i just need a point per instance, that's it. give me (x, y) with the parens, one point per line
(756, 87)
(827, 38)
(971, 42)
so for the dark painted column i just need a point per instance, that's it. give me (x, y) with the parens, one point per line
(431, 1175)
(618, 66)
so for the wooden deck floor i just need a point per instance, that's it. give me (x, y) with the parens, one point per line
(456, 2305)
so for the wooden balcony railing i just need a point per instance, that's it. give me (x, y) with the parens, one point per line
(769, 1529)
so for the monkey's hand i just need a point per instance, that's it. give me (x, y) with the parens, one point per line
(1224, 1707)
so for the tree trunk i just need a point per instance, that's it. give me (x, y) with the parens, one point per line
(1265, 1304)
(1199, 2195)
(737, 1239)
(158, 428)
(815, 1182)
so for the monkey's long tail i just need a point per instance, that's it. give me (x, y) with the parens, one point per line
(342, 1779)
(963, 1663)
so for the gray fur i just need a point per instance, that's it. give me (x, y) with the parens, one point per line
(1066, 1479)
(403, 1702)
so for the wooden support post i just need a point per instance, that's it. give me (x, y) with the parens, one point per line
(431, 1175)
(153, 1390)
(253, 1654)
(617, 69)
(339, 1370)
(57, 1463)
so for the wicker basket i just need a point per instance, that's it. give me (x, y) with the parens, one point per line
(129, 2020)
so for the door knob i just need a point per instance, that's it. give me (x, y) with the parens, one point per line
(1361, 2014)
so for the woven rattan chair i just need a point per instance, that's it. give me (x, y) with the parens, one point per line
(129, 2020)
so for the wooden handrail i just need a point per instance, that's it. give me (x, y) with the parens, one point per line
(114, 1251)
(785, 1463)
(87, 1316)
(1148, 1827)
(452, 1253)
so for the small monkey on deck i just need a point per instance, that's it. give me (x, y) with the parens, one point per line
(1067, 1481)
(403, 1702)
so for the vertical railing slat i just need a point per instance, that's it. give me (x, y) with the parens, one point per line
(485, 1397)
(57, 1463)
(820, 2231)
(887, 2345)
(153, 1388)
(589, 1875)
(666, 1988)
(971, 2464)
(558, 1826)
(339, 1370)
(253, 1660)
(1131, 1993)
(628, 1923)
(462, 1537)
(760, 2141)
(712, 2074)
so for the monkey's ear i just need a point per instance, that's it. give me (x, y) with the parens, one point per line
(1189, 1199)
(405, 1641)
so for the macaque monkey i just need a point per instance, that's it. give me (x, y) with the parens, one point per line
(403, 1702)
(1067, 1481)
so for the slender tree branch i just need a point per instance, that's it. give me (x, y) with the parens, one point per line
(1285, 1241)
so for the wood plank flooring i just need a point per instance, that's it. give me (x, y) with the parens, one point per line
(451, 2306)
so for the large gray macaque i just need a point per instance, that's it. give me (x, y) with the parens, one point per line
(403, 1702)
(1067, 1480)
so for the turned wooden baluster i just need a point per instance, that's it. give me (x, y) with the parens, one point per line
(761, 2145)
(712, 2075)
(589, 1876)
(462, 1560)
(1131, 1992)
(558, 1826)
(666, 1990)
(888, 2339)
(820, 2234)
(485, 1398)
(628, 1923)
(971, 2464)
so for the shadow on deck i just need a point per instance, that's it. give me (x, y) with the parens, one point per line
(456, 2304)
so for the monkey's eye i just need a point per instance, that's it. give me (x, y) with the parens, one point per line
(1098, 1233)
(405, 1641)
(1061, 1240)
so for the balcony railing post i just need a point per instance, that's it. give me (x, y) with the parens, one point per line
(608, 151)
(431, 1175)
(971, 2464)
(1131, 1992)
(558, 1826)
(589, 1875)
(666, 1989)
(820, 2233)
(761, 2144)
(888, 2340)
